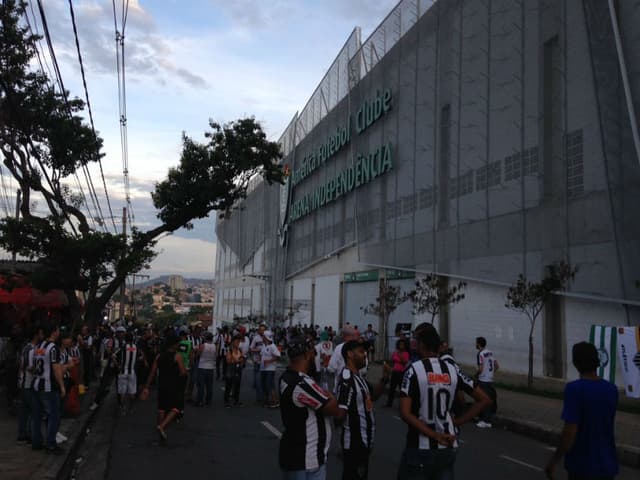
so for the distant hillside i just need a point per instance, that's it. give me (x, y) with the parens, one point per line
(188, 282)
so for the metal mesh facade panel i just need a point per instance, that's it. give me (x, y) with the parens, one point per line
(511, 149)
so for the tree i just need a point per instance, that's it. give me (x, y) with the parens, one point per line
(389, 299)
(433, 293)
(44, 141)
(530, 298)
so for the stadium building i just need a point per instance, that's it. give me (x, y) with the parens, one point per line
(476, 140)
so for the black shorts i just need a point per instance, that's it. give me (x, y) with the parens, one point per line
(168, 399)
(355, 464)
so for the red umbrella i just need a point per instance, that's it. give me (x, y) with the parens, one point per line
(23, 294)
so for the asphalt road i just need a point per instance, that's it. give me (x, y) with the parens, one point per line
(242, 443)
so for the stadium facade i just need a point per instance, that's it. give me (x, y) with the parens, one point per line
(477, 140)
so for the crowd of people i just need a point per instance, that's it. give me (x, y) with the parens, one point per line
(326, 377)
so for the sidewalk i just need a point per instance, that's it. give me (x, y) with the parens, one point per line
(539, 416)
(19, 462)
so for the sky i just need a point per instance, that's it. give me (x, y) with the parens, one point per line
(189, 61)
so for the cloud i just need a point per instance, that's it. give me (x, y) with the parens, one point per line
(249, 13)
(182, 256)
(148, 55)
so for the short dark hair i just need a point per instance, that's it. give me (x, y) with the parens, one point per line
(401, 341)
(351, 345)
(32, 331)
(585, 357)
(429, 338)
(49, 328)
(481, 341)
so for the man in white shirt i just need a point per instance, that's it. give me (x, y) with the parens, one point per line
(336, 364)
(324, 352)
(487, 366)
(269, 355)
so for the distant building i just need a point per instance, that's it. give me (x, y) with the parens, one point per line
(176, 282)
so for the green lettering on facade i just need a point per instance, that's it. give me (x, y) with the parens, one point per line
(386, 158)
(366, 168)
(351, 178)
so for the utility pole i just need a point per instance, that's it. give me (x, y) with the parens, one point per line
(124, 281)
(133, 292)
(14, 255)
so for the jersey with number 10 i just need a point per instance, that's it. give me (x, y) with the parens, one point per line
(432, 384)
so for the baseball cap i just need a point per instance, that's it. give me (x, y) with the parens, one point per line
(268, 334)
(121, 329)
(298, 346)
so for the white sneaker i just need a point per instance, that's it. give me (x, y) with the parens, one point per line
(93, 406)
(483, 424)
(60, 438)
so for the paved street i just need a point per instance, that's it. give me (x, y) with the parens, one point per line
(242, 443)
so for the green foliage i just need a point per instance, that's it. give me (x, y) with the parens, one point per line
(215, 175)
(530, 297)
(388, 300)
(44, 139)
(432, 293)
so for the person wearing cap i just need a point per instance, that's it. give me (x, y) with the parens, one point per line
(269, 355)
(305, 408)
(324, 351)
(355, 401)
(587, 442)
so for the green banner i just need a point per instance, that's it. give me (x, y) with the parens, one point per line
(364, 276)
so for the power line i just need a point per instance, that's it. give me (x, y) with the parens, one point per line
(58, 75)
(122, 101)
(86, 92)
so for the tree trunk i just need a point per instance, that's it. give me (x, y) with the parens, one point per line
(530, 373)
(74, 310)
(385, 352)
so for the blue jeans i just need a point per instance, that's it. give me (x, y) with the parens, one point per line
(427, 464)
(49, 403)
(205, 384)
(257, 382)
(25, 413)
(317, 474)
(268, 379)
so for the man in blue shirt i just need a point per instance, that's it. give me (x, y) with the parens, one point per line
(588, 440)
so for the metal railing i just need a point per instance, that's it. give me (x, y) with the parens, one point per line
(354, 61)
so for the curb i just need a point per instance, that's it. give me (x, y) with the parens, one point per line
(55, 467)
(628, 455)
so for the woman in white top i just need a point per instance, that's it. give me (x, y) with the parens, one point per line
(206, 367)
(269, 355)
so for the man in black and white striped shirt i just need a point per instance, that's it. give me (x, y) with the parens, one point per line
(127, 383)
(428, 392)
(25, 379)
(49, 384)
(355, 400)
(304, 407)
